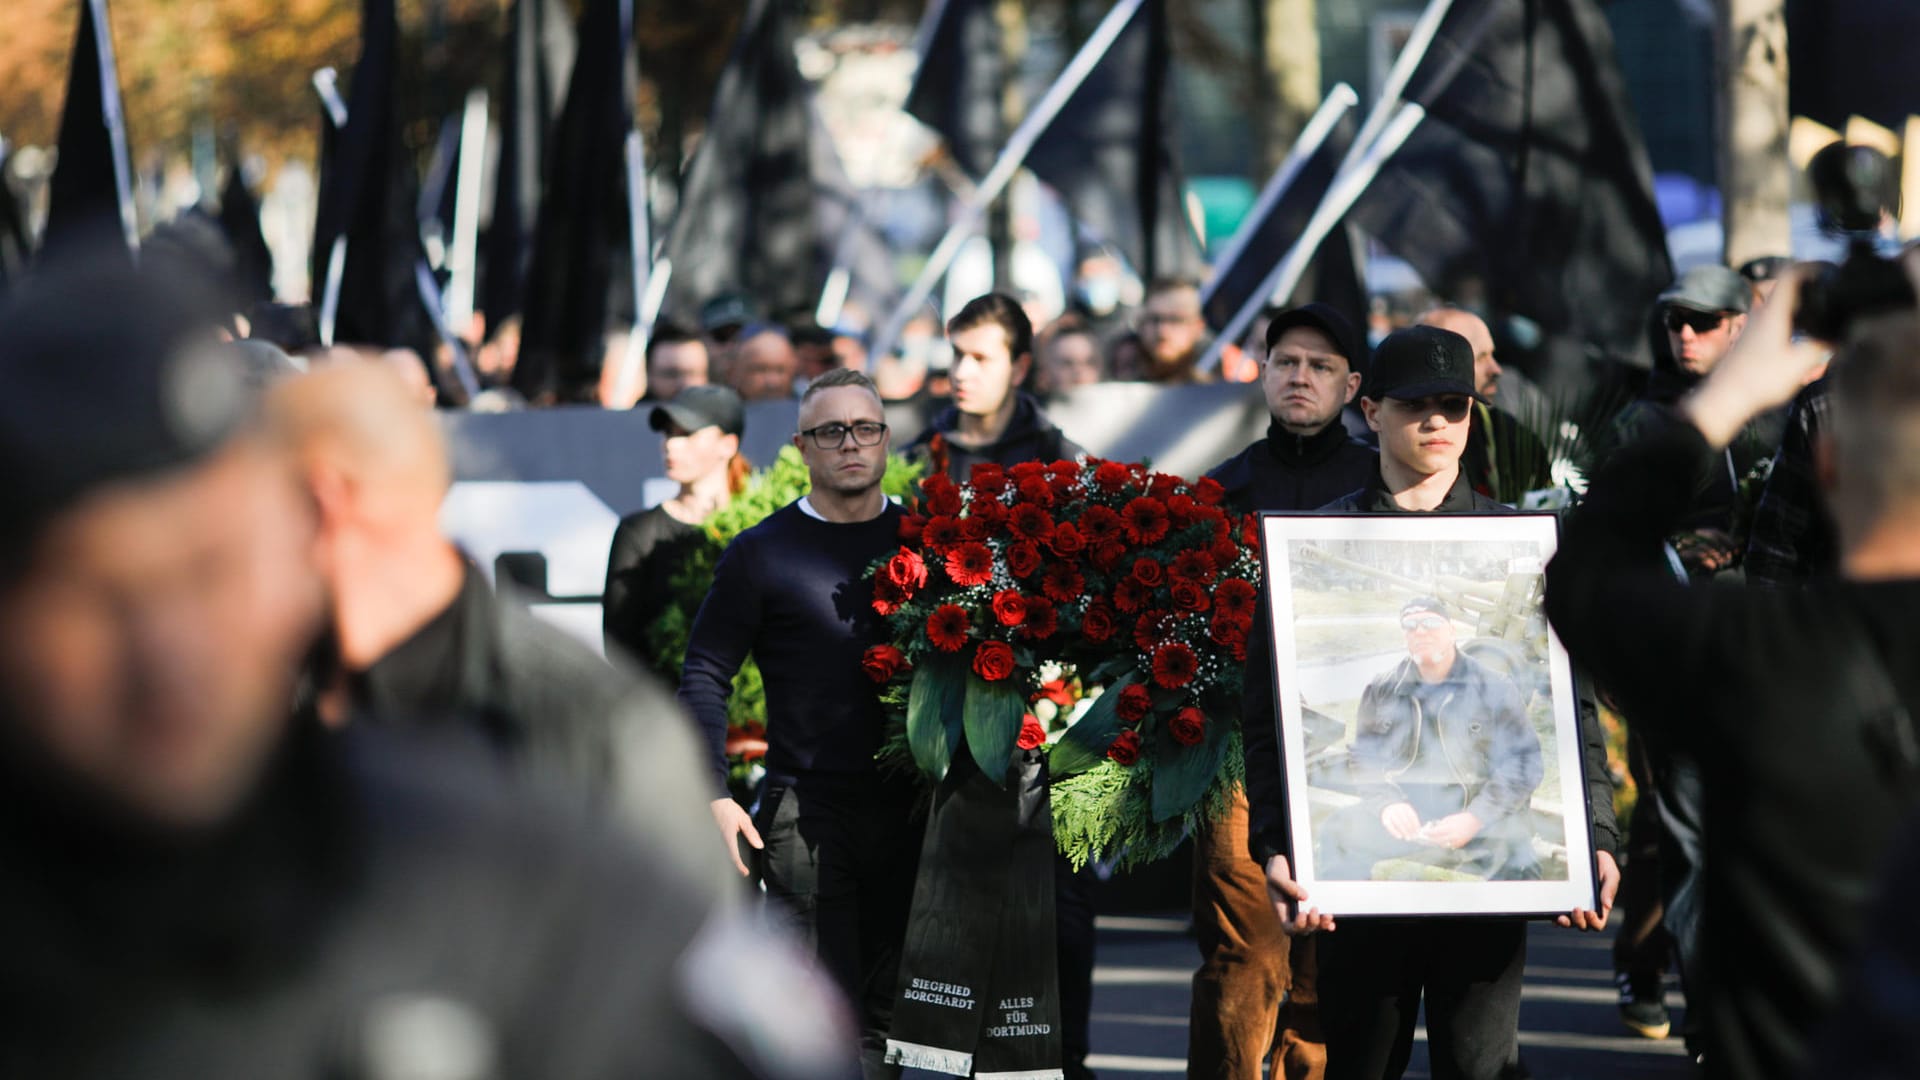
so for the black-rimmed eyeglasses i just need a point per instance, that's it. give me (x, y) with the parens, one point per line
(833, 436)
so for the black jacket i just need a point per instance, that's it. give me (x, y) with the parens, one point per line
(374, 882)
(1767, 688)
(1487, 761)
(611, 736)
(1285, 471)
(1030, 436)
(1374, 498)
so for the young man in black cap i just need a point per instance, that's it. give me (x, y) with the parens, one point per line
(701, 429)
(1310, 372)
(1373, 973)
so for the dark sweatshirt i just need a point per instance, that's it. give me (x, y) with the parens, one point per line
(1030, 436)
(1767, 689)
(790, 591)
(1285, 471)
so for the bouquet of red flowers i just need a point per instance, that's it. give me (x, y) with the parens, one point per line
(1024, 582)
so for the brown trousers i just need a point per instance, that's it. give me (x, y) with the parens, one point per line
(1247, 965)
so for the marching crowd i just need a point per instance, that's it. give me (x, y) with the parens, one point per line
(290, 789)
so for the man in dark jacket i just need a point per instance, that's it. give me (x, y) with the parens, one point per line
(420, 634)
(992, 418)
(1373, 973)
(1253, 981)
(1800, 813)
(201, 884)
(1445, 761)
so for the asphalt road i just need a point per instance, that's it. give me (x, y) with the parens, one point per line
(1569, 1025)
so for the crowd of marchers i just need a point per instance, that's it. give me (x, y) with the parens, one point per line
(292, 790)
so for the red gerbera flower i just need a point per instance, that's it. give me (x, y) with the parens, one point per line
(1153, 628)
(942, 497)
(1062, 583)
(1064, 478)
(947, 627)
(1195, 566)
(1146, 521)
(940, 534)
(1224, 551)
(1250, 532)
(1174, 665)
(1110, 476)
(1101, 525)
(1035, 489)
(1030, 522)
(1163, 485)
(1043, 619)
(988, 478)
(1066, 541)
(970, 564)
(1023, 559)
(1109, 555)
(1236, 598)
(1180, 510)
(1130, 596)
(1009, 607)
(1026, 470)
(1209, 491)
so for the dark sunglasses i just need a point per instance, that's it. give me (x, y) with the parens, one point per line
(1454, 407)
(1701, 321)
(1422, 622)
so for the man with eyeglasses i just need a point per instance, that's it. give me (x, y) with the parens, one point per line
(839, 841)
(1373, 973)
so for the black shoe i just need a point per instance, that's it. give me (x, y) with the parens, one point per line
(1644, 1013)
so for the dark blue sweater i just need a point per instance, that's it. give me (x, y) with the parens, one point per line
(790, 591)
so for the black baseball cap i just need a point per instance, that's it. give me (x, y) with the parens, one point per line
(1422, 361)
(726, 311)
(699, 407)
(1710, 289)
(1327, 319)
(1426, 603)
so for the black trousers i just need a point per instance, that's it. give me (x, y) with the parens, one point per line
(840, 858)
(1373, 973)
(1073, 919)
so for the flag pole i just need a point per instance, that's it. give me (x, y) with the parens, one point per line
(325, 83)
(1338, 101)
(639, 243)
(466, 211)
(997, 178)
(116, 120)
(1347, 187)
(1385, 111)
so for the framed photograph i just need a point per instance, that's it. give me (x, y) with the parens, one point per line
(1427, 721)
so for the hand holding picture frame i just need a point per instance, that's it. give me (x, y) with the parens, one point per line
(1427, 722)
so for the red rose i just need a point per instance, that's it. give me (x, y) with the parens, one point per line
(1062, 583)
(1224, 551)
(1066, 541)
(993, 660)
(970, 564)
(1027, 470)
(1032, 735)
(1236, 598)
(1250, 532)
(1130, 596)
(1174, 665)
(943, 498)
(974, 528)
(1109, 555)
(1180, 509)
(1188, 726)
(1101, 525)
(1194, 566)
(1190, 597)
(1030, 522)
(907, 571)
(1209, 491)
(1023, 559)
(1151, 629)
(947, 627)
(1111, 476)
(1043, 620)
(1162, 486)
(988, 478)
(1147, 572)
(1228, 633)
(1146, 520)
(911, 528)
(1064, 478)
(1125, 749)
(887, 597)
(1136, 701)
(990, 513)
(1098, 625)
(1036, 490)
(883, 662)
(941, 533)
(1009, 607)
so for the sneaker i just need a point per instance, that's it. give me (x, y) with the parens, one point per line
(1645, 1014)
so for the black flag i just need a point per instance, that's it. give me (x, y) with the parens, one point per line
(367, 198)
(1110, 152)
(540, 49)
(91, 191)
(581, 243)
(1272, 230)
(240, 220)
(1528, 182)
(745, 221)
(956, 89)
(851, 235)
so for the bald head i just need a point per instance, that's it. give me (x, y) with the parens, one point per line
(1486, 370)
(368, 449)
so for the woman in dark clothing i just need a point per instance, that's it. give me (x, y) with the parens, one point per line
(702, 427)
